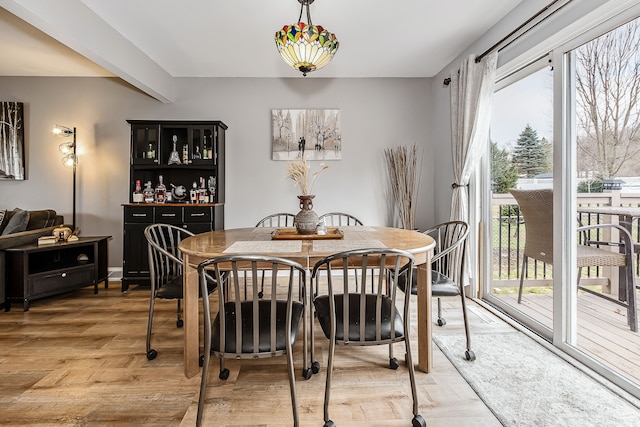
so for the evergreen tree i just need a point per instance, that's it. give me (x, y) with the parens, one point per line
(529, 155)
(504, 174)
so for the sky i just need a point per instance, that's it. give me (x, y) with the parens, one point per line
(528, 101)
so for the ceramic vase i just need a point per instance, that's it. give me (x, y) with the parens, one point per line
(306, 220)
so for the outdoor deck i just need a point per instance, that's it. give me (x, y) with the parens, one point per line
(602, 328)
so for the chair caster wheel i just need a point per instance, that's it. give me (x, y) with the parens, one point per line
(152, 354)
(224, 374)
(315, 367)
(393, 363)
(260, 294)
(201, 361)
(418, 421)
(470, 355)
(180, 323)
(329, 423)
(441, 321)
(307, 373)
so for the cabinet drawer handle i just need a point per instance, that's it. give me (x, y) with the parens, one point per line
(64, 274)
(139, 214)
(197, 214)
(167, 214)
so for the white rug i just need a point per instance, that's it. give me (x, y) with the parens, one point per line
(525, 384)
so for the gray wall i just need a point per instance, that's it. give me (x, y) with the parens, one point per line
(376, 113)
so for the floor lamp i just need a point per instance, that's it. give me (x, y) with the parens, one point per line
(69, 159)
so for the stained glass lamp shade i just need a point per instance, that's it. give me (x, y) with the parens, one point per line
(306, 47)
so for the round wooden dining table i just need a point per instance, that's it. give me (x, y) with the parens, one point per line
(306, 251)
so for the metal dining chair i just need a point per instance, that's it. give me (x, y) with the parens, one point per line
(447, 266)
(281, 219)
(337, 219)
(351, 316)
(165, 271)
(247, 326)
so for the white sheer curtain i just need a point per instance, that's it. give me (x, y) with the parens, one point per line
(471, 99)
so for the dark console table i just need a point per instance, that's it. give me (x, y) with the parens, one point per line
(38, 271)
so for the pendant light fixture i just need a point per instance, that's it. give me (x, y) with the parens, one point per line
(306, 47)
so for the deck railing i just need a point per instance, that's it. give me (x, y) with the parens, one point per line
(509, 233)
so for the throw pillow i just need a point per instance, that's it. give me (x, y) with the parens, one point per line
(3, 212)
(17, 223)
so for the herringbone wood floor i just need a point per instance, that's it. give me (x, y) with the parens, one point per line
(79, 360)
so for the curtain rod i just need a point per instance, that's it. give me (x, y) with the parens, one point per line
(501, 43)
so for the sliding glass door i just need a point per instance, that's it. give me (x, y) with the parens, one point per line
(521, 156)
(568, 123)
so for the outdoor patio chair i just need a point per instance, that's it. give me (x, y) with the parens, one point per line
(536, 207)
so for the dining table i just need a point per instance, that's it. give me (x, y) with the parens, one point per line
(306, 250)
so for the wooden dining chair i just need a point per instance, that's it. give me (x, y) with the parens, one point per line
(247, 326)
(350, 316)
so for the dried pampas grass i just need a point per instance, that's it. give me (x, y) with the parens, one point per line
(298, 172)
(402, 163)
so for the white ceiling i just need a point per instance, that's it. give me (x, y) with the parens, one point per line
(148, 42)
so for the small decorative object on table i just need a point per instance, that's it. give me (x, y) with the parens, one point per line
(62, 233)
(306, 220)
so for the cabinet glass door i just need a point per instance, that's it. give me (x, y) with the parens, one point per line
(144, 144)
(202, 142)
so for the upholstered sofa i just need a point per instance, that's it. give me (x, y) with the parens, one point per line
(25, 228)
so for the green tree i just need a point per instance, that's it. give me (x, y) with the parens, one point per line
(529, 155)
(504, 174)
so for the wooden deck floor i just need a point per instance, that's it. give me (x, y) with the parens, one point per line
(602, 329)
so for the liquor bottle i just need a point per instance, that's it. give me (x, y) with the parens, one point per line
(148, 193)
(193, 193)
(202, 192)
(212, 189)
(185, 154)
(161, 191)
(174, 157)
(205, 148)
(196, 153)
(138, 197)
(151, 152)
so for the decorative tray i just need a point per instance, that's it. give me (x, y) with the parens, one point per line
(292, 234)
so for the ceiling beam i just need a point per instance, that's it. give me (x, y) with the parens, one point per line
(75, 25)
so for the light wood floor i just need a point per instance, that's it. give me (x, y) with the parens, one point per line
(79, 360)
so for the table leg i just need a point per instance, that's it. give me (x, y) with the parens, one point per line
(425, 359)
(191, 319)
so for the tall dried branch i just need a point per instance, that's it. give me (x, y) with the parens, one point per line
(402, 164)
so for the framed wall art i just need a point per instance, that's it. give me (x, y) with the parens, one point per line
(312, 134)
(11, 141)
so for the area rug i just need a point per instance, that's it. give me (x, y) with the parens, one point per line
(524, 384)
